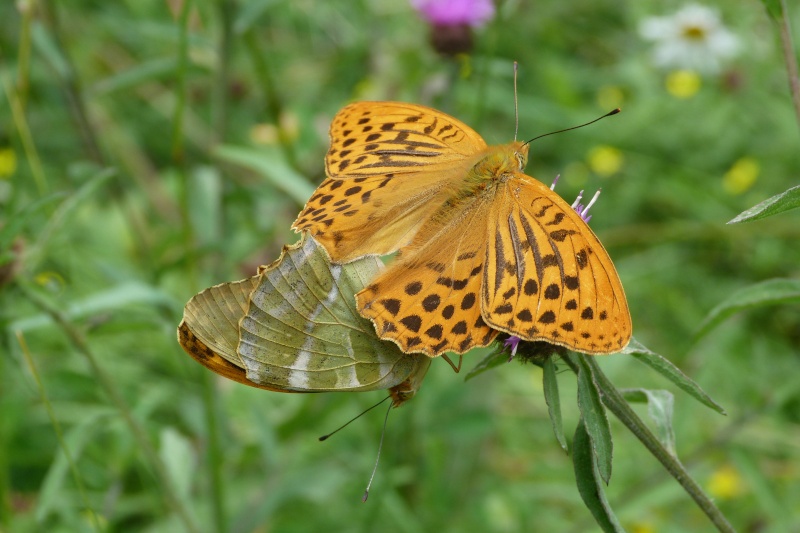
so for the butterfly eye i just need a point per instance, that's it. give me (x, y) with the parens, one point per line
(520, 160)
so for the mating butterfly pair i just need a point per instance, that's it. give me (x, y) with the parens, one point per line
(483, 247)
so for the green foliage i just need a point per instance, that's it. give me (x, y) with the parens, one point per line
(159, 152)
(765, 293)
(779, 203)
(590, 481)
(595, 421)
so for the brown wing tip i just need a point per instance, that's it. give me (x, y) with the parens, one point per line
(207, 357)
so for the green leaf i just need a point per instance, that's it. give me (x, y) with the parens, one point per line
(110, 300)
(494, 358)
(178, 456)
(17, 222)
(779, 203)
(769, 292)
(48, 48)
(664, 367)
(147, 71)
(594, 415)
(659, 408)
(773, 8)
(87, 429)
(205, 204)
(251, 15)
(551, 397)
(588, 479)
(270, 165)
(57, 220)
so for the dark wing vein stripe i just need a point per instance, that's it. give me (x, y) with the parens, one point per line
(411, 153)
(499, 261)
(390, 164)
(408, 142)
(537, 255)
(518, 252)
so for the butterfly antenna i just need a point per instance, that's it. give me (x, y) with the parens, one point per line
(325, 437)
(378, 458)
(613, 112)
(516, 104)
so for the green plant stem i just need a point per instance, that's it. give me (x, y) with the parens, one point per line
(73, 89)
(790, 58)
(219, 104)
(24, 55)
(18, 113)
(273, 100)
(180, 82)
(214, 451)
(615, 403)
(214, 458)
(143, 441)
(76, 476)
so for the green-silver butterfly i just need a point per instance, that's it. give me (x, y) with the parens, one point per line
(294, 327)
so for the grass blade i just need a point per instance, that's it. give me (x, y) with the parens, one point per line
(769, 292)
(594, 416)
(588, 479)
(553, 400)
(789, 199)
(660, 408)
(664, 367)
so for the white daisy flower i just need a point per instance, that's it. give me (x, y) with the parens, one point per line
(693, 38)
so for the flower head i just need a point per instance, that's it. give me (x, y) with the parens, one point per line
(455, 12)
(8, 162)
(605, 160)
(583, 211)
(513, 343)
(693, 38)
(683, 83)
(452, 22)
(741, 176)
(726, 483)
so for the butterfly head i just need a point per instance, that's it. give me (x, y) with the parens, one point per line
(520, 154)
(407, 389)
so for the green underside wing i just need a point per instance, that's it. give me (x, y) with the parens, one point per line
(294, 328)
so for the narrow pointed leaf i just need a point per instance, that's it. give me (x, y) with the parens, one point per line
(17, 221)
(269, 165)
(773, 8)
(589, 481)
(659, 409)
(494, 358)
(769, 292)
(63, 212)
(551, 397)
(664, 367)
(594, 415)
(179, 457)
(779, 203)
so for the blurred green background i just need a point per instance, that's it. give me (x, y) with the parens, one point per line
(149, 149)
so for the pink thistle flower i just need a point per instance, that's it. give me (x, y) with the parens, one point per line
(474, 13)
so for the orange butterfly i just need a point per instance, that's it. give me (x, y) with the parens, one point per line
(483, 247)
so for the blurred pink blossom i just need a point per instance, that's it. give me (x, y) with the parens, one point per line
(455, 12)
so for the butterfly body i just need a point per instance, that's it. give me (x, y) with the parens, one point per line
(484, 248)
